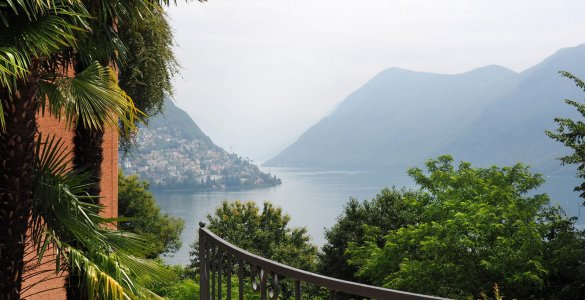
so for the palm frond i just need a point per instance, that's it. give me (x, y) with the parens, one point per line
(2, 120)
(46, 35)
(31, 9)
(64, 218)
(50, 27)
(103, 44)
(92, 97)
(115, 9)
(13, 65)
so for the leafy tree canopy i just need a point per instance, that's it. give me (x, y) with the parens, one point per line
(149, 65)
(475, 227)
(263, 232)
(389, 210)
(136, 203)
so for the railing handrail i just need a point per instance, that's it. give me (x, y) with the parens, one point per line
(333, 284)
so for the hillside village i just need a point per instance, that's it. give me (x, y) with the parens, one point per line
(173, 153)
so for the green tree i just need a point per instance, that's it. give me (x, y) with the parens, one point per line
(140, 214)
(263, 232)
(572, 134)
(149, 66)
(477, 227)
(389, 210)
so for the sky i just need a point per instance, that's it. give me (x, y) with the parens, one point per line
(256, 74)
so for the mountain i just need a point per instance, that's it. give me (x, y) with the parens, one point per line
(401, 118)
(176, 122)
(511, 128)
(173, 153)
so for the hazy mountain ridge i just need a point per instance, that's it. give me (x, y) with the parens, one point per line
(401, 118)
(173, 153)
(512, 128)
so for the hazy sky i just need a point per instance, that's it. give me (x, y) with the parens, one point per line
(258, 73)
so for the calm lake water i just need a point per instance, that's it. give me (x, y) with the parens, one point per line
(314, 199)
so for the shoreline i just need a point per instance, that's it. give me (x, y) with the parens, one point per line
(207, 190)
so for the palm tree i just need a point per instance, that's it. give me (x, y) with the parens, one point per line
(111, 263)
(31, 32)
(40, 40)
(37, 38)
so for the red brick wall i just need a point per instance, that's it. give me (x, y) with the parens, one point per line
(109, 182)
(52, 287)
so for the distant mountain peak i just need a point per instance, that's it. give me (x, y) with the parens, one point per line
(566, 59)
(492, 70)
(567, 51)
(401, 118)
(487, 70)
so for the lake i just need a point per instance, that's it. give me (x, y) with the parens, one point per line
(314, 199)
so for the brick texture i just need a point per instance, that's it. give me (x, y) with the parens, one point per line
(48, 285)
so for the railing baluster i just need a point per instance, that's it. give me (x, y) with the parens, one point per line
(208, 261)
(228, 277)
(213, 271)
(241, 279)
(331, 295)
(275, 288)
(297, 290)
(263, 284)
(219, 270)
(203, 272)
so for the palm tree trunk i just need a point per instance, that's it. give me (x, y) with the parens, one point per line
(88, 158)
(17, 144)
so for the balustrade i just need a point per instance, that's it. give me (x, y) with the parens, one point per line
(218, 259)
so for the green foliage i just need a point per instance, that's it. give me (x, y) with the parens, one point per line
(41, 42)
(389, 210)
(34, 30)
(188, 286)
(476, 227)
(186, 289)
(92, 98)
(140, 214)
(572, 134)
(38, 39)
(149, 64)
(265, 233)
(112, 263)
(563, 256)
